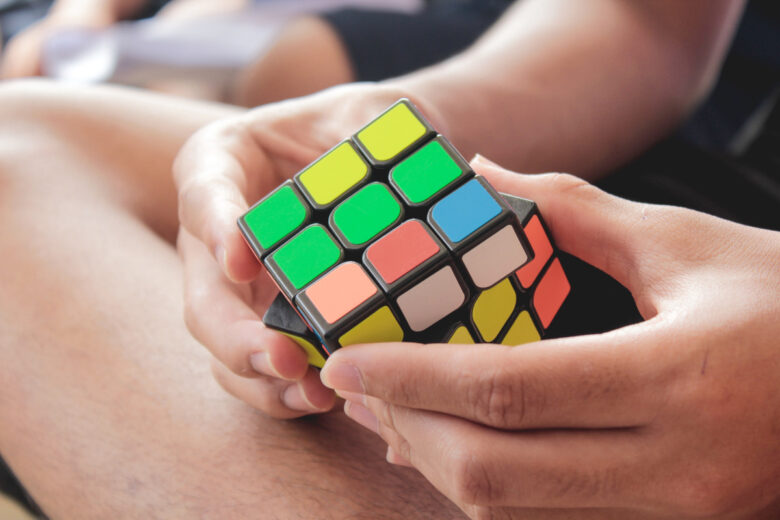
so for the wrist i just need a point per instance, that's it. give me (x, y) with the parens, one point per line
(425, 99)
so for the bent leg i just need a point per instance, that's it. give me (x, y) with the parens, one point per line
(107, 406)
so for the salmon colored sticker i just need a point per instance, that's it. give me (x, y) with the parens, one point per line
(340, 291)
(543, 250)
(401, 250)
(550, 293)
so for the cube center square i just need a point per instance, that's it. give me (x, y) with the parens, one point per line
(364, 215)
(401, 250)
(390, 236)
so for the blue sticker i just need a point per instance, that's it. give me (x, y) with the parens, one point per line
(465, 210)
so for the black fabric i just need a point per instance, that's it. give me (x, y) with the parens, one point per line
(749, 77)
(386, 44)
(744, 190)
(11, 487)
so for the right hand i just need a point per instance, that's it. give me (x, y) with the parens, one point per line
(220, 171)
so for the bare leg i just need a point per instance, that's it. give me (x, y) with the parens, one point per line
(307, 57)
(107, 406)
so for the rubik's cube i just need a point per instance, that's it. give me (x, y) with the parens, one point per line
(390, 236)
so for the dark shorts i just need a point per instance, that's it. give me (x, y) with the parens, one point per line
(387, 44)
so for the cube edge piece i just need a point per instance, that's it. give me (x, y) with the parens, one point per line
(250, 237)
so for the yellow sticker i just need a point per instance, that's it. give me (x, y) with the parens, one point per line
(461, 336)
(379, 327)
(334, 174)
(315, 358)
(522, 331)
(493, 308)
(392, 133)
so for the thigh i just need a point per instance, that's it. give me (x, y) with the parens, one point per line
(107, 407)
(123, 140)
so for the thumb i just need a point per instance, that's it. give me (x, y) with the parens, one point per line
(601, 229)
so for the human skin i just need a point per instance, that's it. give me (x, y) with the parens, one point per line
(108, 408)
(546, 110)
(549, 110)
(220, 197)
(675, 417)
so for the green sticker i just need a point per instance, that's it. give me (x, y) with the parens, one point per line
(276, 216)
(392, 133)
(366, 213)
(307, 255)
(334, 174)
(426, 172)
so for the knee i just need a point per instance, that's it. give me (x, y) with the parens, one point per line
(21, 98)
(24, 112)
(23, 106)
(307, 56)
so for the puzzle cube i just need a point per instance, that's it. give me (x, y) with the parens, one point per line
(390, 236)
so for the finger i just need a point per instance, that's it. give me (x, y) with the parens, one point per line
(394, 458)
(277, 398)
(222, 321)
(613, 234)
(598, 381)
(474, 465)
(212, 182)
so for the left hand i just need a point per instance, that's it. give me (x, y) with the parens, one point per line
(675, 417)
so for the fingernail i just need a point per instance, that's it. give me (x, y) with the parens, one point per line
(261, 363)
(294, 398)
(361, 415)
(352, 396)
(483, 160)
(394, 458)
(343, 377)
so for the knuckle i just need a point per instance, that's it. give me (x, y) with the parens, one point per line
(473, 482)
(499, 399)
(488, 513)
(567, 183)
(406, 391)
(707, 493)
(384, 413)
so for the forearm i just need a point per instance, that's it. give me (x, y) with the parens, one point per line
(577, 86)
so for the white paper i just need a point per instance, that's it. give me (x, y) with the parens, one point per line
(205, 49)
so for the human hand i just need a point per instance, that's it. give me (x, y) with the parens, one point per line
(23, 55)
(675, 417)
(220, 169)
